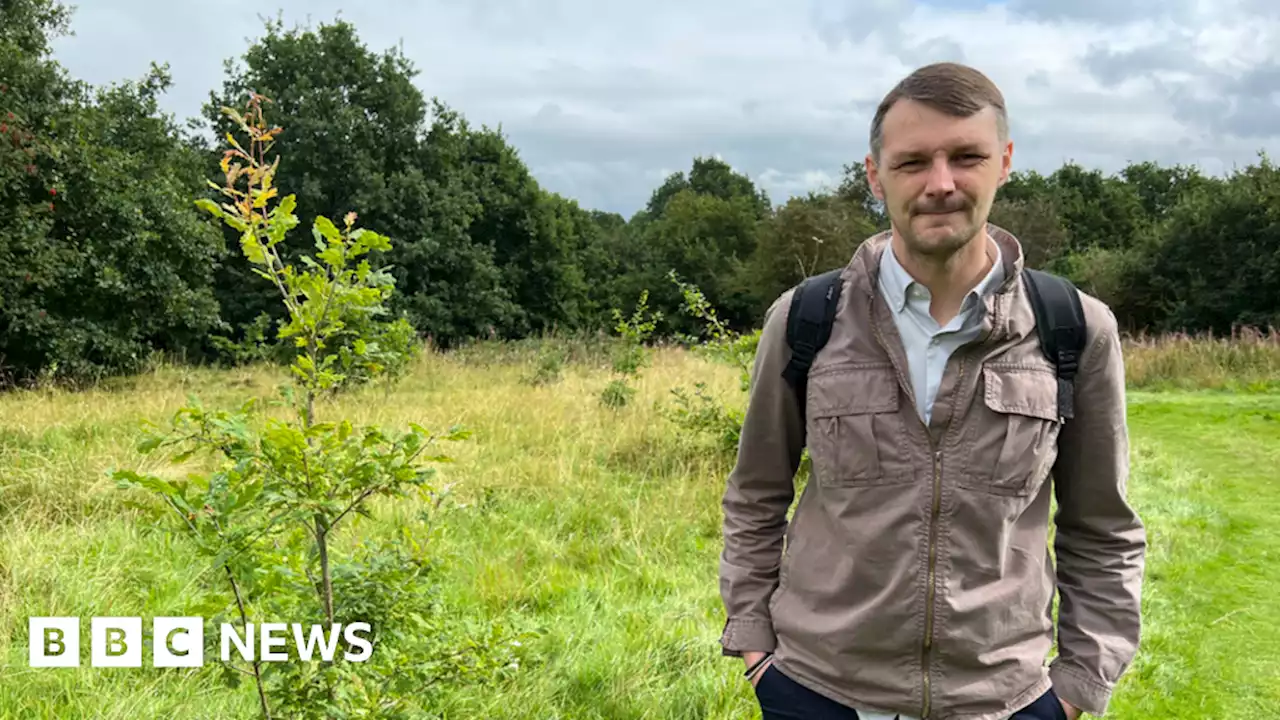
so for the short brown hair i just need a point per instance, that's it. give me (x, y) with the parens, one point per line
(948, 87)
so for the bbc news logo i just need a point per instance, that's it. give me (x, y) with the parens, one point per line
(178, 642)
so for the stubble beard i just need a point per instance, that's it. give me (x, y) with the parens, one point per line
(940, 244)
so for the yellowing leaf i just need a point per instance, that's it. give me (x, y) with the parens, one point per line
(260, 201)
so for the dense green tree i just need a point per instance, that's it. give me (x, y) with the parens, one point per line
(711, 177)
(477, 245)
(103, 258)
(805, 236)
(1215, 263)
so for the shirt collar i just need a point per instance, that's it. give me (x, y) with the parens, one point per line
(897, 282)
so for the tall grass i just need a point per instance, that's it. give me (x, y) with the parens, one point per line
(1247, 360)
(593, 534)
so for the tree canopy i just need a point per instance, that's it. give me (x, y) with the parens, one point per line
(105, 261)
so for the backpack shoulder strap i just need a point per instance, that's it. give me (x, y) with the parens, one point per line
(1061, 326)
(813, 311)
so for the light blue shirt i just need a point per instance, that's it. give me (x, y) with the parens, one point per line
(928, 344)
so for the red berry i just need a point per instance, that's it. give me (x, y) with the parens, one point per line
(28, 278)
(4, 128)
(53, 191)
(10, 116)
(42, 314)
(50, 207)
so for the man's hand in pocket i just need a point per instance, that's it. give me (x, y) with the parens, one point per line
(751, 659)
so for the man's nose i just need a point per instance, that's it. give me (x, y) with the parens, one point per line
(941, 181)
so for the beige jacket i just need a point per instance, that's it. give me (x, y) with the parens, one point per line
(916, 575)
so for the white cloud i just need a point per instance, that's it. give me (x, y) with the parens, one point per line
(603, 99)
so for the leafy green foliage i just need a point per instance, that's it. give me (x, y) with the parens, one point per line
(706, 230)
(549, 368)
(700, 413)
(103, 261)
(630, 355)
(269, 513)
(617, 394)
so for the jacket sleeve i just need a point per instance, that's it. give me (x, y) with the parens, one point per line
(759, 492)
(1100, 542)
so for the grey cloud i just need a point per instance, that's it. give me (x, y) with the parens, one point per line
(1106, 12)
(886, 21)
(1246, 106)
(601, 100)
(572, 149)
(1214, 101)
(1113, 68)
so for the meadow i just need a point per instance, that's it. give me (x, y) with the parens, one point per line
(575, 549)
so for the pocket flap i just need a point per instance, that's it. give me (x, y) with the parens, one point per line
(1021, 391)
(852, 391)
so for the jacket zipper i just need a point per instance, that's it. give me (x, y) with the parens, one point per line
(935, 511)
(931, 591)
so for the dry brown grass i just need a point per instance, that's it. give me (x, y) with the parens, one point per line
(1246, 360)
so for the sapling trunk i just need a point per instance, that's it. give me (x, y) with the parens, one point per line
(326, 580)
(244, 621)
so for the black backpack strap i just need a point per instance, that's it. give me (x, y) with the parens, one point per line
(813, 311)
(1061, 326)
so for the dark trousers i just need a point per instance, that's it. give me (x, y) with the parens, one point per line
(782, 698)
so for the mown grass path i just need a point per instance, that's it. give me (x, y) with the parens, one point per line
(1207, 481)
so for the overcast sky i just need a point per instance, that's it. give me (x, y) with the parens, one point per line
(604, 99)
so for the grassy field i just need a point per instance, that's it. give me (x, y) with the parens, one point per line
(594, 535)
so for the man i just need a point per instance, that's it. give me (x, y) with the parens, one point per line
(915, 580)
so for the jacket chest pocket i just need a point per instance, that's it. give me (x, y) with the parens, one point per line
(855, 433)
(1013, 437)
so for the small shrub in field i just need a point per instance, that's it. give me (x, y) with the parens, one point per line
(617, 394)
(702, 414)
(630, 355)
(268, 518)
(548, 370)
(699, 412)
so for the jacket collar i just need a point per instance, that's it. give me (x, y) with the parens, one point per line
(863, 270)
(898, 283)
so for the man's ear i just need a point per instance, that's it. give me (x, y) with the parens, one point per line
(1006, 163)
(873, 178)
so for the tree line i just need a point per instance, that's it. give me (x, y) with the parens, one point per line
(105, 260)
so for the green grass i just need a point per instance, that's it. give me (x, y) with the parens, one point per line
(1207, 482)
(596, 533)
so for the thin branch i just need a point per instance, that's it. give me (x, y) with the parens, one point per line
(366, 493)
(244, 620)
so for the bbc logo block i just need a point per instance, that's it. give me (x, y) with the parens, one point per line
(54, 641)
(115, 642)
(178, 642)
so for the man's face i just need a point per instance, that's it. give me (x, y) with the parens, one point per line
(938, 175)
